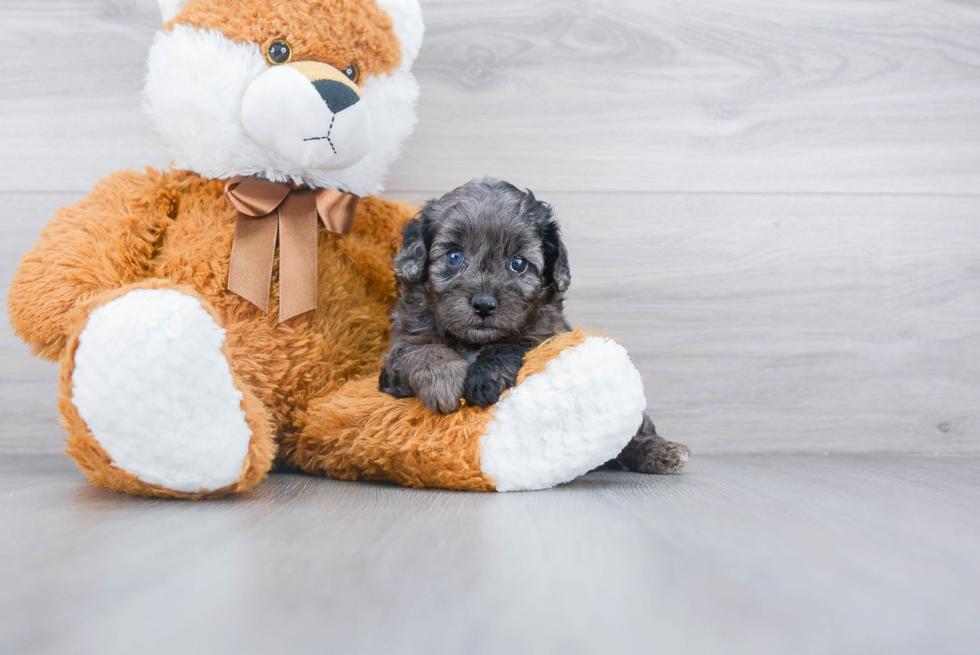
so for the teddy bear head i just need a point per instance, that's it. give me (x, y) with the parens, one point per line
(312, 92)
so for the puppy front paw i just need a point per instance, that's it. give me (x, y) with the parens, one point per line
(654, 455)
(441, 390)
(487, 381)
(393, 383)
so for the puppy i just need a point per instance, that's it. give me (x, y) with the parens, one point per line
(482, 275)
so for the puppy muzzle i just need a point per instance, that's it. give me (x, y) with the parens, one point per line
(309, 113)
(484, 305)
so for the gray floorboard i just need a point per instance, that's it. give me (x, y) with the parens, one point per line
(636, 95)
(760, 324)
(740, 554)
(773, 205)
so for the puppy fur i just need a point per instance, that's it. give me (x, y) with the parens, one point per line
(482, 275)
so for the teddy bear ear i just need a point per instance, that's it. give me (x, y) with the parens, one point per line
(170, 8)
(409, 27)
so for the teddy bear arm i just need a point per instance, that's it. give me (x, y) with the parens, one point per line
(361, 433)
(99, 243)
(577, 403)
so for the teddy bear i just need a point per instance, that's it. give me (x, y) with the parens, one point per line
(229, 314)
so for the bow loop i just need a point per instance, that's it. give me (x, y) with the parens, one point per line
(254, 196)
(336, 210)
(267, 210)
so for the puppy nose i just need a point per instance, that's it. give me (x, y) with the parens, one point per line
(337, 96)
(484, 305)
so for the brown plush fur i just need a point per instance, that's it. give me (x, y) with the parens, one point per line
(100, 243)
(309, 383)
(337, 32)
(177, 228)
(537, 360)
(361, 433)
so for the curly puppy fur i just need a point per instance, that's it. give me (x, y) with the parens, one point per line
(482, 275)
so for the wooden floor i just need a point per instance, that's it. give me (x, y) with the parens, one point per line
(776, 207)
(740, 554)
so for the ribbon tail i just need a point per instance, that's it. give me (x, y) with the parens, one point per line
(252, 256)
(298, 247)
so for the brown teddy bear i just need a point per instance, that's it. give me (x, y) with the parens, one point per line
(231, 313)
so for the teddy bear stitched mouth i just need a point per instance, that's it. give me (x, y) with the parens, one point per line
(327, 137)
(338, 98)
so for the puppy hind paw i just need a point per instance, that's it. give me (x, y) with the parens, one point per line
(656, 456)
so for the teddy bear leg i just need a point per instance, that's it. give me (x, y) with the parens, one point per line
(150, 401)
(361, 433)
(577, 403)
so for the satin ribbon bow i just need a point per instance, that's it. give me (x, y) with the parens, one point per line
(267, 209)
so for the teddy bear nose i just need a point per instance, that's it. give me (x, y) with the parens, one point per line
(338, 96)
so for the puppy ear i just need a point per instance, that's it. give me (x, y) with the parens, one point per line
(556, 270)
(412, 261)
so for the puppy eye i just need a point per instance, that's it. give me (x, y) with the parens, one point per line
(454, 257)
(352, 72)
(518, 265)
(279, 53)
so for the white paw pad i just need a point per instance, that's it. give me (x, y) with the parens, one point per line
(578, 413)
(156, 391)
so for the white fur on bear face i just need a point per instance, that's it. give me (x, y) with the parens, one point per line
(283, 112)
(195, 89)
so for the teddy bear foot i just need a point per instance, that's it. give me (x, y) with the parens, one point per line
(153, 386)
(566, 420)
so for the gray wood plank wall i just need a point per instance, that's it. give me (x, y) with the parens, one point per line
(773, 204)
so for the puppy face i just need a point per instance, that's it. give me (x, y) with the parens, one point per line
(315, 92)
(484, 260)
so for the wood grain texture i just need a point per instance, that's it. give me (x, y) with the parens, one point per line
(827, 319)
(640, 95)
(760, 324)
(28, 386)
(788, 323)
(773, 205)
(723, 95)
(760, 555)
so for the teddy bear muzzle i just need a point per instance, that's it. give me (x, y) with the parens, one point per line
(309, 113)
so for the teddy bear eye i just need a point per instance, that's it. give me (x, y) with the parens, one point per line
(454, 257)
(352, 72)
(279, 53)
(518, 265)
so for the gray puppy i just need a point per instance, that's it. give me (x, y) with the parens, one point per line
(482, 275)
